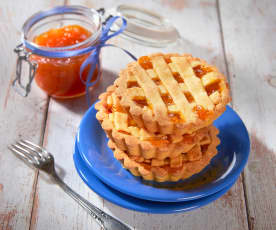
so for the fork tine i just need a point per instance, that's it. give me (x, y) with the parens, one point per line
(30, 148)
(27, 153)
(34, 145)
(43, 151)
(19, 154)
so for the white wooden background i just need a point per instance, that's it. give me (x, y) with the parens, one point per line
(238, 36)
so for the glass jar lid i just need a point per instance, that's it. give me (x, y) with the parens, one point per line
(145, 27)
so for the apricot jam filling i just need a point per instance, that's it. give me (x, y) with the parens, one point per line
(131, 122)
(159, 141)
(200, 70)
(189, 97)
(132, 84)
(117, 108)
(177, 77)
(141, 102)
(202, 113)
(157, 81)
(175, 117)
(64, 36)
(167, 60)
(145, 62)
(167, 99)
(124, 132)
(60, 77)
(212, 88)
(109, 108)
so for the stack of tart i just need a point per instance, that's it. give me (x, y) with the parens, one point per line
(158, 115)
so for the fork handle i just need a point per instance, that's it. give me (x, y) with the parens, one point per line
(100, 216)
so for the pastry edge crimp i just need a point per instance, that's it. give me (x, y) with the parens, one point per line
(159, 174)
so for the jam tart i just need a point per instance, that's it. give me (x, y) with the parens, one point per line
(173, 169)
(138, 142)
(172, 93)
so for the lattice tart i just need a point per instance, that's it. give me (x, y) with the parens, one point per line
(172, 93)
(124, 132)
(174, 169)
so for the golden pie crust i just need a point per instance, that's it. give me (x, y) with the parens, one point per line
(127, 136)
(159, 113)
(172, 93)
(174, 169)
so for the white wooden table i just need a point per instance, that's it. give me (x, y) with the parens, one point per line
(237, 36)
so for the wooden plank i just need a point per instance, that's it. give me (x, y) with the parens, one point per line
(249, 30)
(63, 120)
(197, 22)
(63, 212)
(19, 117)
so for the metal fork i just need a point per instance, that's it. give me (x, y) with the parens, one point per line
(40, 158)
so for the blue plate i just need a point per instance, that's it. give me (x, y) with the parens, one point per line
(224, 168)
(132, 203)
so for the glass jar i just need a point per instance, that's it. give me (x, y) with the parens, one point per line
(57, 69)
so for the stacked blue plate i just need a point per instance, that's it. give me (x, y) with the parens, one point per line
(98, 168)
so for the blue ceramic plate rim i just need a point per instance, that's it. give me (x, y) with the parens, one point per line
(158, 194)
(136, 204)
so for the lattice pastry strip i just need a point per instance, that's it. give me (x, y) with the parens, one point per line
(193, 83)
(173, 88)
(167, 172)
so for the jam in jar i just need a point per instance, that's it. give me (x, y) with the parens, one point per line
(60, 77)
(56, 41)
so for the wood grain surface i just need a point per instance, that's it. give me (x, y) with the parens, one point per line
(249, 31)
(19, 118)
(238, 38)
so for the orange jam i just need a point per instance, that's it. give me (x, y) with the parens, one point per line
(131, 122)
(167, 59)
(212, 88)
(202, 112)
(140, 102)
(175, 117)
(189, 97)
(177, 77)
(167, 99)
(159, 141)
(59, 77)
(200, 70)
(145, 62)
(132, 84)
(157, 81)
(117, 108)
(124, 132)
